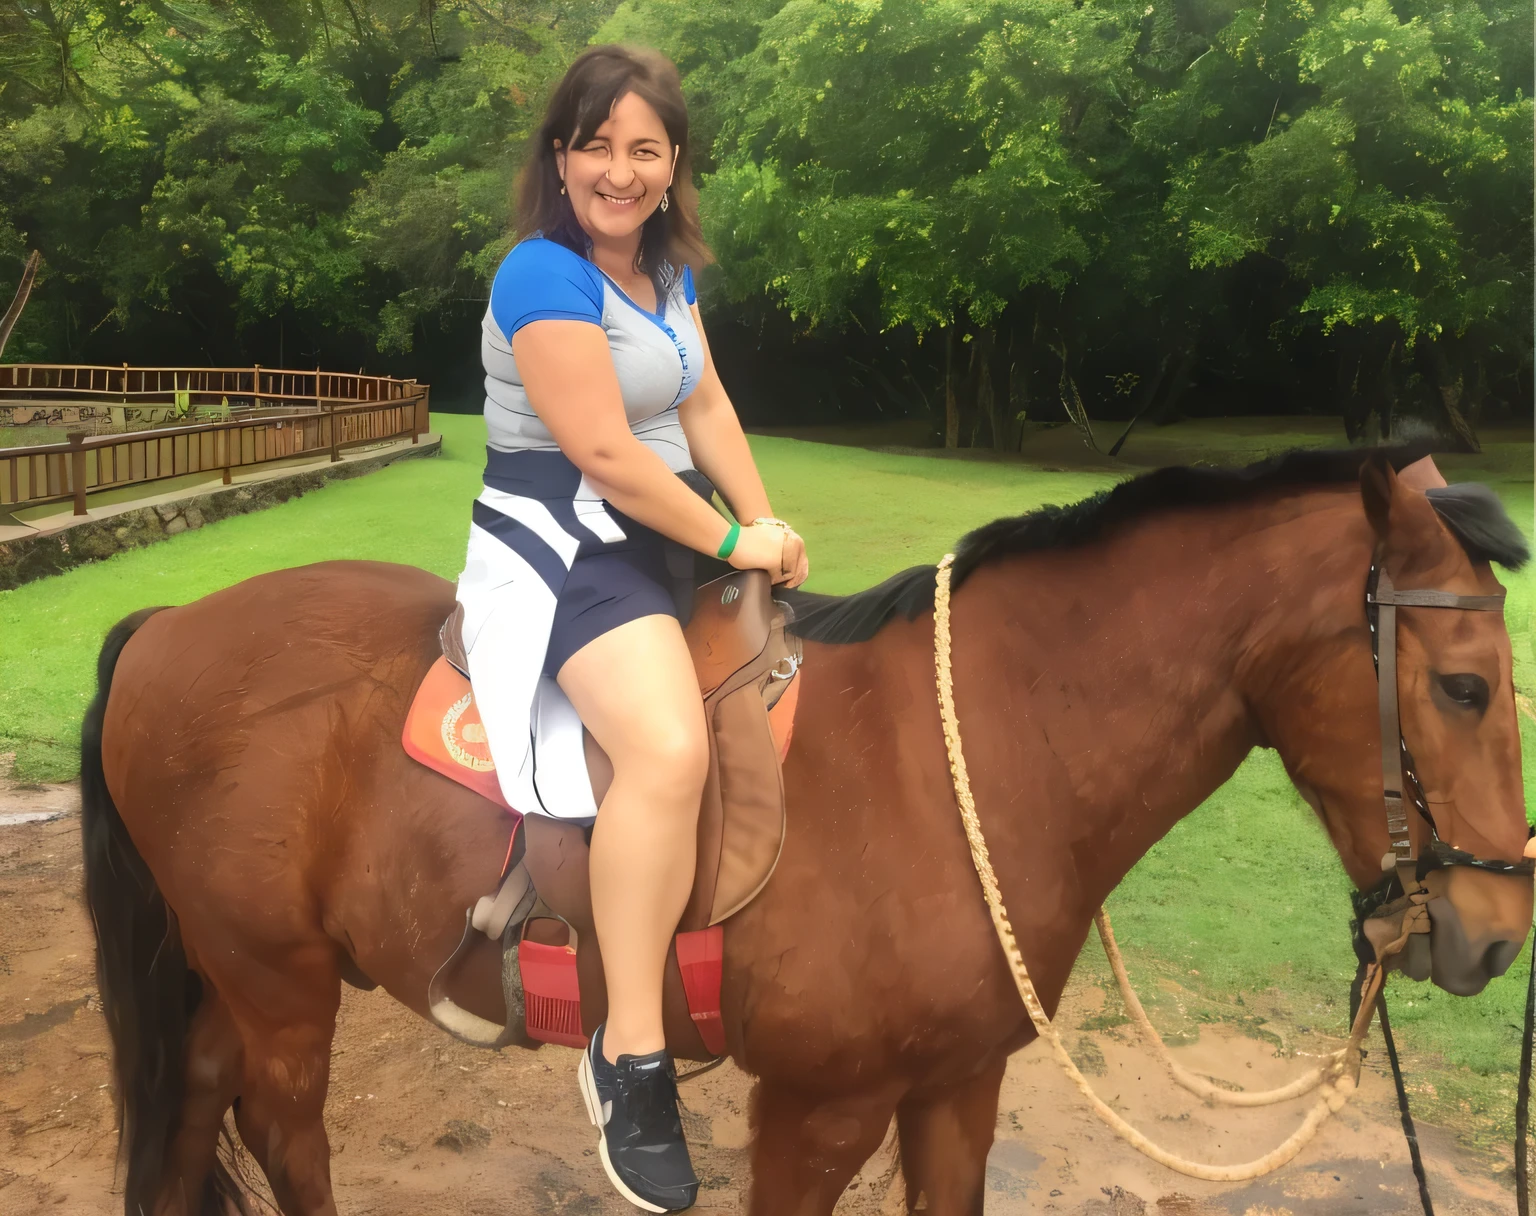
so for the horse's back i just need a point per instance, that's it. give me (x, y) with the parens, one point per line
(237, 651)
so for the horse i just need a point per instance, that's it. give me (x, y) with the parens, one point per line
(254, 834)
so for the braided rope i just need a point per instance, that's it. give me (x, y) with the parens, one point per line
(1334, 1078)
(1196, 1084)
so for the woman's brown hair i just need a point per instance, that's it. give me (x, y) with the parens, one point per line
(581, 103)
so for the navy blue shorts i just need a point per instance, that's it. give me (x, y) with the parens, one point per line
(645, 575)
(607, 589)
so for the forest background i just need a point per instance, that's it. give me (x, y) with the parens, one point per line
(982, 213)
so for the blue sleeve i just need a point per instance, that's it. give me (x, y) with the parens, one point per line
(541, 280)
(688, 292)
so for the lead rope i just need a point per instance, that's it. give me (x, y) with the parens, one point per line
(1335, 1078)
(1196, 1084)
(1523, 1097)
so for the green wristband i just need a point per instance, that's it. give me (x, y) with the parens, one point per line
(728, 545)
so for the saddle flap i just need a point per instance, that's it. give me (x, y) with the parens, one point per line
(751, 788)
(731, 622)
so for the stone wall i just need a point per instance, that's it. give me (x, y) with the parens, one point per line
(54, 552)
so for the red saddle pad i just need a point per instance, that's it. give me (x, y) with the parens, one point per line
(443, 731)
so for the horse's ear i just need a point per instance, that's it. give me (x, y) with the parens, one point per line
(1377, 484)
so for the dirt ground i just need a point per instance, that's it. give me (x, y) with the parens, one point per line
(420, 1124)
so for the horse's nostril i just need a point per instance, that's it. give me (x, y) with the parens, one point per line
(1499, 957)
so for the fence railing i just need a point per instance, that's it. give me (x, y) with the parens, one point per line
(61, 472)
(260, 386)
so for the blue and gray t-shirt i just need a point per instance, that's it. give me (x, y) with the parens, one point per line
(658, 355)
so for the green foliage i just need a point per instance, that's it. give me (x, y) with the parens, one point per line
(207, 167)
(1394, 184)
(1023, 165)
(1105, 195)
(898, 147)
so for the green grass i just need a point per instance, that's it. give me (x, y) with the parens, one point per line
(1246, 891)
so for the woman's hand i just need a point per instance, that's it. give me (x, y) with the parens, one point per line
(777, 550)
(796, 564)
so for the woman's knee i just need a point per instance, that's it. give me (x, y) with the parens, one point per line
(670, 758)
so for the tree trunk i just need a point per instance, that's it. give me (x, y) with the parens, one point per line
(8, 322)
(1020, 355)
(1071, 399)
(1182, 379)
(1385, 396)
(1354, 410)
(984, 349)
(1148, 398)
(1005, 423)
(1477, 394)
(951, 402)
(1449, 386)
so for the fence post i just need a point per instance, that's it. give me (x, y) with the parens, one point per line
(330, 414)
(77, 469)
(256, 387)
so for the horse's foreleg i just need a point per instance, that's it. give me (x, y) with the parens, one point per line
(211, 1079)
(280, 1113)
(946, 1133)
(809, 1146)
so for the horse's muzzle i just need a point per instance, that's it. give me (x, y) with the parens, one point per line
(1456, 962)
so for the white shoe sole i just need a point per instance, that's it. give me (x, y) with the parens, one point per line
(595, 1113)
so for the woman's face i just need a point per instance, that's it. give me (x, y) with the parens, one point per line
(616, 179)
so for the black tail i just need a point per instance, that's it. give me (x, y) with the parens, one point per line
(147, 991)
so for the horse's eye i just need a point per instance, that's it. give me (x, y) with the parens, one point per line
(1466, 689)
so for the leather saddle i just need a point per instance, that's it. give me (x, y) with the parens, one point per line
(747, 664)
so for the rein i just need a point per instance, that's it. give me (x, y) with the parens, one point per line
(1339, 1076)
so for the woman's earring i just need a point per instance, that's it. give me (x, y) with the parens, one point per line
(562, 187)
(663, 200)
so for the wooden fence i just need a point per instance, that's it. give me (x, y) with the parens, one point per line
(205, 386)
(63, 472)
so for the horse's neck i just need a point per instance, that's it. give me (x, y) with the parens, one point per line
(1112, 688)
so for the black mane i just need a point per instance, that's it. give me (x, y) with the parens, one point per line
(1472, 512)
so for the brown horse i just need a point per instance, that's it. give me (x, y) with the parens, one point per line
(254, 833)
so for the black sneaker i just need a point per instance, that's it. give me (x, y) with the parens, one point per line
(634, 1105)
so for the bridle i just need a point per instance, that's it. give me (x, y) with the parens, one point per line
(1402, 882)
(1382, 602)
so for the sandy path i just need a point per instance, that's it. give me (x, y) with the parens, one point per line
(420, 1124)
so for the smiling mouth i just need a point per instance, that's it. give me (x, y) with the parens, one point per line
(616, 201)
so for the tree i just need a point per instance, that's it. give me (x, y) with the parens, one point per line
(888, 158)
(1394, 187)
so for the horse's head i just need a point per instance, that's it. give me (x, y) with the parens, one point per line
(1456, 702)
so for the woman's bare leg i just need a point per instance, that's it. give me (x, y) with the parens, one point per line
(636, 691)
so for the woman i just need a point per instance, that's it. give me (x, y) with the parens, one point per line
(599, 393)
